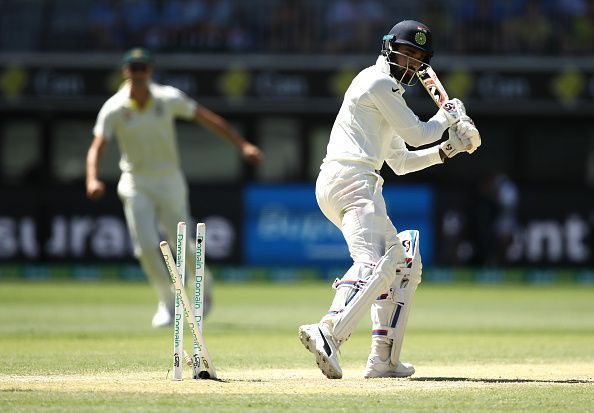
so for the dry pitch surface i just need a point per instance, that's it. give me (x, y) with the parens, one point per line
(310, 381)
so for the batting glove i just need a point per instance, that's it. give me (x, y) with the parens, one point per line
(468, 133)
(453, 110)
(454, 145)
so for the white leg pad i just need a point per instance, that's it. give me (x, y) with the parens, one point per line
(354, 297)
(346, 289)
(389, 313)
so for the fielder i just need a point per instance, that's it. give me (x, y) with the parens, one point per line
(153, 190)
(375, 125)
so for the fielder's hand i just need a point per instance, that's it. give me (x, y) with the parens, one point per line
(95, 189)
(251, 153)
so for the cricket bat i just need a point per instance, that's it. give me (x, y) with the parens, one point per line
(433, 86)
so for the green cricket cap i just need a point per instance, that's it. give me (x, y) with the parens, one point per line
(137, 55)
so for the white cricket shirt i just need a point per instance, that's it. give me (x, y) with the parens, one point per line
(374, 123)
(146, 137)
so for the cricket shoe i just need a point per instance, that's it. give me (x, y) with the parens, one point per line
(318, 340)
(164, 316)
(377, 368)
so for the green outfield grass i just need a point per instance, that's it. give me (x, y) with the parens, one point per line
(90, 347)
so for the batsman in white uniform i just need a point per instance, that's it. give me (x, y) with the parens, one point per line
(375, 125)
(153, 190)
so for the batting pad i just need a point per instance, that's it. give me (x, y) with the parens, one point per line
(389, 313)
(356, 300)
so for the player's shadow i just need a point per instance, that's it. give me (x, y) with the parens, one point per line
(500, 380)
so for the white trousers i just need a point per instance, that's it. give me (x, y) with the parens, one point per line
(154, 205)
(350, 196)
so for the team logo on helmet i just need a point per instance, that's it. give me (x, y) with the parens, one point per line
(420, 38)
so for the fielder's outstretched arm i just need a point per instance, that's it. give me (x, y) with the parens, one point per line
(221, 128)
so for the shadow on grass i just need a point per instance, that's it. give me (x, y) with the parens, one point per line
(479, 380)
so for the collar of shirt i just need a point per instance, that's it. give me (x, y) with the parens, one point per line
(132, 104)
(383, 66)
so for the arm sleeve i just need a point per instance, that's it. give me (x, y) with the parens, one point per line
(404, 122)
(402, 161)
(104, 126)
(182, 106)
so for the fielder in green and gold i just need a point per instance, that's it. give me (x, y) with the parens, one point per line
(140, 116)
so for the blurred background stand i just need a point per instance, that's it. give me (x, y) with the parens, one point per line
(524, 68)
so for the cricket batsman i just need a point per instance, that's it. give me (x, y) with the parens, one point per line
(374, 125)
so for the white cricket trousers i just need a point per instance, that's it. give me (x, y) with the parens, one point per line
(350, 196)
(153, 204)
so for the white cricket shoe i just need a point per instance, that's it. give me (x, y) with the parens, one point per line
(164, 316)
(378, 368)
(317, 339)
